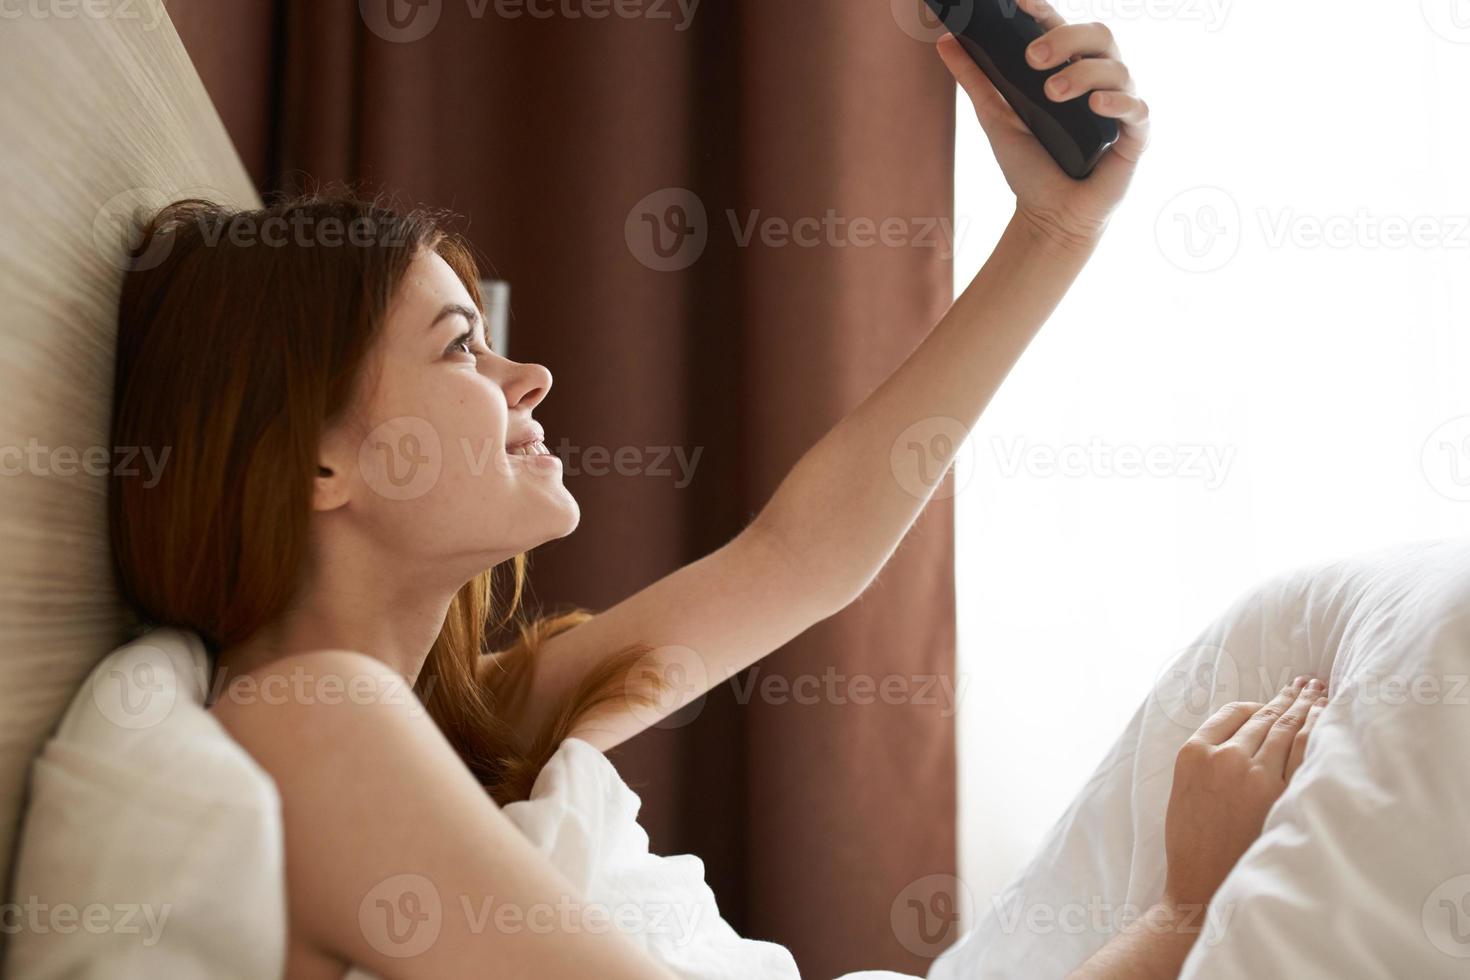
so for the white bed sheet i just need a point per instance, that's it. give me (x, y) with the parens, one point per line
(1363, 867)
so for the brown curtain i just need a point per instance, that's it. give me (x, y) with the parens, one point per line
(546, 131)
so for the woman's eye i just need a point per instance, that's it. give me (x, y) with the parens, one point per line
(462, 345)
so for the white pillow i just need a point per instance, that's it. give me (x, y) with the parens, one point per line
(151, 846)
(1363, 867)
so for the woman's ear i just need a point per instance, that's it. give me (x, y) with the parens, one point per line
(332, 487)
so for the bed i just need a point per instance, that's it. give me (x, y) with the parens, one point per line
(1363, 869)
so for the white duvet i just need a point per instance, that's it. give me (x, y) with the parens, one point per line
(584, 818)
(145, 816)
(1363, 869)
(146, 813)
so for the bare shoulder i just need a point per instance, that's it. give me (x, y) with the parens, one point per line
(380, 816)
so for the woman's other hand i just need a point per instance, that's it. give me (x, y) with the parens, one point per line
(1226, 778)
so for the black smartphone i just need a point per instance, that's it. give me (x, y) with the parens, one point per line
(996, 34)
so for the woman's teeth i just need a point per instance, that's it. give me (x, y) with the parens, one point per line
(537, 448)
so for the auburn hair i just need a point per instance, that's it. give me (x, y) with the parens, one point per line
(241, 338)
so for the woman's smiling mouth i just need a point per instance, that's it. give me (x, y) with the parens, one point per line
(536, 448)
(530, 443)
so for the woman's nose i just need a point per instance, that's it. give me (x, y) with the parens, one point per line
(528, 384)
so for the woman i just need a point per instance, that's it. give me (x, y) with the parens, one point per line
(350, 463)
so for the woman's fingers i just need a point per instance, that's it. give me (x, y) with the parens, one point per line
(1062, 43)
(1133, 134)
(1249, 736)
(1088, 75)
(1225, 722)
(1096, 68)
(1127, 109)
(1299, 743)
(1276, 746)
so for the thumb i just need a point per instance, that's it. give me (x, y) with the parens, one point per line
(991, 107)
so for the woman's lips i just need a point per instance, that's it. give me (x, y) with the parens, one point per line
(533, 436)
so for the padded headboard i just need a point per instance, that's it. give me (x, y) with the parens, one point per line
(101, 116)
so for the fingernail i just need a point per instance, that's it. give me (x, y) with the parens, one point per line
(1059, 85)
(1300, 681)
(1314, 685)
(1040, 52)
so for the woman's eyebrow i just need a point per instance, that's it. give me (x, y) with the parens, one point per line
(455, 309)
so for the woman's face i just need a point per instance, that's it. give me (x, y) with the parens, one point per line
(423, 467)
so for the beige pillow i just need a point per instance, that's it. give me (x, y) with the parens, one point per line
(101, 116)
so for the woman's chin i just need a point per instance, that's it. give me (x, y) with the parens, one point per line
(571, 515)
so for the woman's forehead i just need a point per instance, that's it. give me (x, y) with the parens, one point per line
(428, 285)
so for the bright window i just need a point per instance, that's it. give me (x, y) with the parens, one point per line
(1274, 329)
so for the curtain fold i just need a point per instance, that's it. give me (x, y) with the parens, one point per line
(581, 151)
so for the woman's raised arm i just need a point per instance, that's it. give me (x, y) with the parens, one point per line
(851, 498)
(840, 513)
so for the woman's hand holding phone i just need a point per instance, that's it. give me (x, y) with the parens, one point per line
(1071, 213)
